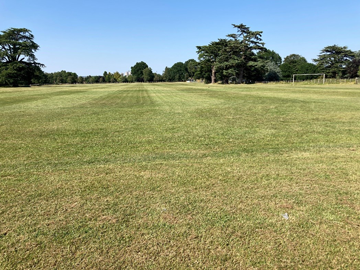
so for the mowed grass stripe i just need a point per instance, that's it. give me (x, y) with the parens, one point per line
(173, 98)
(310, 93)
(7, 100)
(49, 98)
(124, 95)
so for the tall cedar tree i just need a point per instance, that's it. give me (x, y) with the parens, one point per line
(333, 60)
(17, 55)
(209, 54)
(241, 50)
(234, 55)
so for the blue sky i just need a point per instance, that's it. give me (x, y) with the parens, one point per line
(90, 37)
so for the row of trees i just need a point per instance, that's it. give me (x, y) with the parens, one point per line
(339, 62)
(334, 61)
(242, 57)
(179, 72)
(239, 57)
(218, 64)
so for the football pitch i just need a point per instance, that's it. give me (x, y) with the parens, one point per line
(179, 176)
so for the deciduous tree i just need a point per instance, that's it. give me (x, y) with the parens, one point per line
(292, 65)
(178, 72)
(354, 66)
(117, 76)
(148, 75)
(130, 79)
(270, 55)
(166, 74)
(137, 71)
(269, 65)
(191, 66)
(80, 80)
(158, 77)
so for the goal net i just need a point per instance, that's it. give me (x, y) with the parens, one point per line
(311, 74)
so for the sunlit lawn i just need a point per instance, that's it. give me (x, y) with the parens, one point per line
(177, 176)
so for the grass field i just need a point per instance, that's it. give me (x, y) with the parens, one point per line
(179, 176)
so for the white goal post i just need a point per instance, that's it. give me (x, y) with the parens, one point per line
(323, 74)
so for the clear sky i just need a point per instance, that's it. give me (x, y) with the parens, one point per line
(90, 37)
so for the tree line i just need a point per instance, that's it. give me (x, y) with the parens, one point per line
(239, 57)
(242, 57)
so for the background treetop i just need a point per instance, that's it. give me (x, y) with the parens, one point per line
(137, 71)
(333, 60)
(17, 45)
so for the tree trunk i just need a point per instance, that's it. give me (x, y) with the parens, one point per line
(241, 75)
(213, 74)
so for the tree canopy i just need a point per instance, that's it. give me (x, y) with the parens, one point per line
(243, 46)
(17, 54)
(333, 60)
(148, 75)
(61, 77)
(237, 58)
(191, 67)
(137, 71)
(209, 55)
(234, 56)
(270, 56)
(296, 64)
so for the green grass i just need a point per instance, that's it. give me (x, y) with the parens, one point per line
(177, 176)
